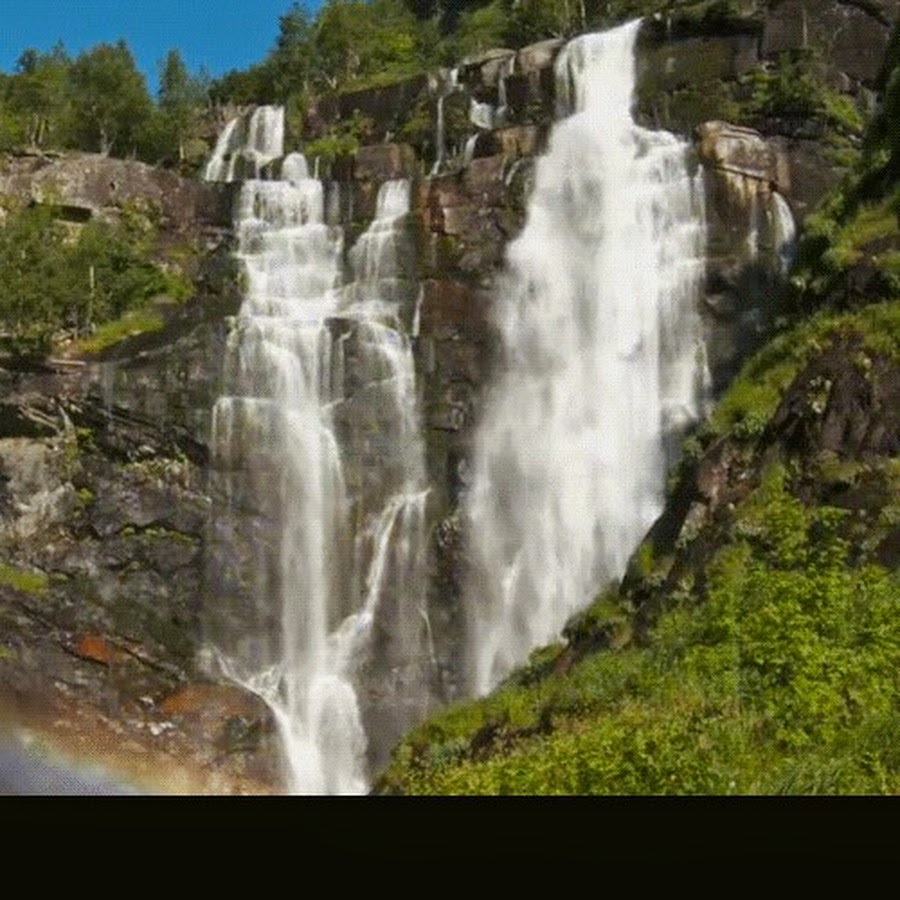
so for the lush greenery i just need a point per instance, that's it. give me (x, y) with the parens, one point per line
(754, 395)
(779, 674)
(99, 102)
(61, 279)
(857, 229)
(350, 44)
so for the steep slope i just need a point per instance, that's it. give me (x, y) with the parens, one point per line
(754, 646)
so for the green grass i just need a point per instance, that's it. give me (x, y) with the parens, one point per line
(755, 394)
(134, 322)
(780, 677)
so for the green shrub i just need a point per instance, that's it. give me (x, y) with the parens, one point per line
(779, 676)
(59, 280)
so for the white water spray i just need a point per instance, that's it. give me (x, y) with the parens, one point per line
(785, 231)
(246, 145)
(603, 363)
(317, 450)
(451, 86)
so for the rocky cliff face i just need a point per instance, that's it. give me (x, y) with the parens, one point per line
(104, 510)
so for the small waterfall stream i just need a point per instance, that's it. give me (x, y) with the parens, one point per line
(603, 364)
(319, 464)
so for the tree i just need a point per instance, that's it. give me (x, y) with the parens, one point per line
(294, 61)
(110, 102)
(358, 41)
(181, 96)
(38, 94)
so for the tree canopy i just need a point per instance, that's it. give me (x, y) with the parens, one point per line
(99, 102)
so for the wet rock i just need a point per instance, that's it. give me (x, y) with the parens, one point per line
(99, 649)
(483, 180)
(811, 172)
(221, 715)
(451, 308)
(384, 162)
(520, 140)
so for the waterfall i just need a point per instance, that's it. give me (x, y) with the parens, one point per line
(506, 70)
(246, 145)
(219, 168)
(451, 86)
(785, 231)
(603, 365)
(481, 115)
(319, 466)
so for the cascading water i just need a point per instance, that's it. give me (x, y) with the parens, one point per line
(246, 145)
(318, 460)
(785, 232)
(603, 363)
(451, 86)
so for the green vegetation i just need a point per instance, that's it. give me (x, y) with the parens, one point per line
(139, 321)
(26, 581)
(353, 44)
(99, 102)
(795, 88)
(857, 229)
(343, 139)
(64, 279)
(754, 395)
(350, 44)
(779, 676)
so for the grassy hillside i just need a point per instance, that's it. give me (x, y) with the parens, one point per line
(758, 650)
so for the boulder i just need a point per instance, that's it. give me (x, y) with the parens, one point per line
(494, 69)
(484, 69)
(93, 184)
(742, 151)
(541, 55)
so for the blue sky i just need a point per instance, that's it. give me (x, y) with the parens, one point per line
(220, 34)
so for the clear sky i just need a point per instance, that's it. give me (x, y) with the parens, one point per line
(220, 34)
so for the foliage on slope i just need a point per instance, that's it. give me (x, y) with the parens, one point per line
(753, 644)
(755, 651)
(850, 253)
(62, 279)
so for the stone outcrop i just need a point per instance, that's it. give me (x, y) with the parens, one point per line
(87, 185)
(852, 36)
(743, 172)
